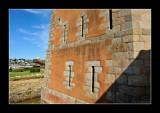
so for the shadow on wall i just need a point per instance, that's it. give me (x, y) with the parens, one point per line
(133, 85)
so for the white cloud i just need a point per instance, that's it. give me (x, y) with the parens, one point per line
(29, 39)
(27, 32)
(41, 36)
(41, 45)
(32, 11)
(22, 30)
(43, 12)
(42, 26)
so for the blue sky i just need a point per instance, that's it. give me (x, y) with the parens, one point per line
(28, 33)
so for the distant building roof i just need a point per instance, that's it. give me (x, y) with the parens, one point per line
(41, 63)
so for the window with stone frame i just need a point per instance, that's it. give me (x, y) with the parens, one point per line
(92, 85)
(82, 21)
(64, 36)
(69, 75)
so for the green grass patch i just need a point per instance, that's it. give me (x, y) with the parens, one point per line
(13, 74)
(28, 68)
(17, 70)
(35, 70)
(26, 72)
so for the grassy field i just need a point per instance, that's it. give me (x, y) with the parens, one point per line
(26, 72)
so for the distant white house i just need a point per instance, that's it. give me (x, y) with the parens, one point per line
(19, 63)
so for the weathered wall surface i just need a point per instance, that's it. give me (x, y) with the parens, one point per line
(21, 90)
(79, 55)
(93, 21)
(120, 56)
(129, 67)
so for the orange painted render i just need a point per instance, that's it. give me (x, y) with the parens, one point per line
(72, 16)
(80, 55)
(56, 99)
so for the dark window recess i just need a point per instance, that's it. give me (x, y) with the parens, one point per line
(64, 33)
(110, 15)
(92, 79)
(82, 26)
(69, 75)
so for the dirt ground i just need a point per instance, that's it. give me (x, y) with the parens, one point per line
(25, 89)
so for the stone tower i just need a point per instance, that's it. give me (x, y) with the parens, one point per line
(98, 56)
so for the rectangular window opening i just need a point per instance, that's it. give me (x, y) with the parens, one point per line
(64, 33)
(110, 15)
(92, 79)
(69, 75)
(82, 26)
